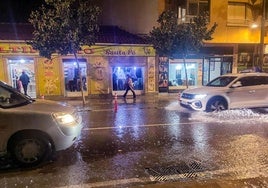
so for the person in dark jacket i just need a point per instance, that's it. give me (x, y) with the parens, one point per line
(24, 78)
(129, 86)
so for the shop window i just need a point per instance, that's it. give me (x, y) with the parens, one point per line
(71, 75)
(177, 76)
(119, 77)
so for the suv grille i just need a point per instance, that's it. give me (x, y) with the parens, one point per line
(187, 96)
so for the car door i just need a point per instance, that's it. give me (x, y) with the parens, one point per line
(243, 95)
(259, 91)
(4, 129)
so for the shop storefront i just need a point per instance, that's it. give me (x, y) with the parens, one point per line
(174, 74)
(180, 74)
(103, 70)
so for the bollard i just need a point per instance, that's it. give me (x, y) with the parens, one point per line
(42, 97)
(115, 102)
(179, 96)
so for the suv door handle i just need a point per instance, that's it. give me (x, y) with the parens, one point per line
(252, 91)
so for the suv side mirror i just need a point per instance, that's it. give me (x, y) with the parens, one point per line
(237, 84)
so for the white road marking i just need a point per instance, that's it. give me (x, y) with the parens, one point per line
(129, 126)
(108, 183)
(239, 175)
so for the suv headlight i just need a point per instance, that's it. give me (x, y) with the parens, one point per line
(64, 118)
(200, 96)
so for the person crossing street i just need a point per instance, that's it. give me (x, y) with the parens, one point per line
(129, 86)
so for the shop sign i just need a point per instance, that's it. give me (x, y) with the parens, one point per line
(17, 49)
(12, 48)
(117, 50)
(49, 82)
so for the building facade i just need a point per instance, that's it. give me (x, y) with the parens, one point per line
(103, 66)
(236, 44)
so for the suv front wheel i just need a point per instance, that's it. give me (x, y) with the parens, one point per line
(216, 104)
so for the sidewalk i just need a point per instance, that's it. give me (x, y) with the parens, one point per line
(108, 101)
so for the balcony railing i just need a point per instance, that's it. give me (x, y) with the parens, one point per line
(239, 22)
(186, 19)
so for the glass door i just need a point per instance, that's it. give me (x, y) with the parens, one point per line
(119, 77)
(71, 77)
(214, 67)
(15, 69)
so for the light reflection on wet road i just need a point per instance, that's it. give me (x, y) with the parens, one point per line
(116, 147)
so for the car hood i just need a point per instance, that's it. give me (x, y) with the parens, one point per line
(205, 90)
(45, 106)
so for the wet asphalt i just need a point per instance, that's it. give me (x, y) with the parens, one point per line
(161, 101)
(114, 107)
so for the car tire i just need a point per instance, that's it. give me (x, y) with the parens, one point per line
(29, 149)
(216, 105)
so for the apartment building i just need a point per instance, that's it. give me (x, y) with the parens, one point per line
(238, 43)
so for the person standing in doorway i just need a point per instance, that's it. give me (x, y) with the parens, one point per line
(129, 86)
(24, 78)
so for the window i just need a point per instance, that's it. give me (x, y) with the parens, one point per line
(177, 76)
(197, 6)
(119, 77)
(254, 80)
(239, 13)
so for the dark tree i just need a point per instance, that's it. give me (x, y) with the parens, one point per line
(171, 39)
(63, 26)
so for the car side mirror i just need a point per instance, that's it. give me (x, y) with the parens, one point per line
(237, 84)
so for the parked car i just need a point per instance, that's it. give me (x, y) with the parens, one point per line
(241, 90)
(32, 130)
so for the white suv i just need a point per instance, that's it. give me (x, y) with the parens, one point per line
(241, 90)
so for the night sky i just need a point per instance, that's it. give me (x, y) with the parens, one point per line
(17, 10)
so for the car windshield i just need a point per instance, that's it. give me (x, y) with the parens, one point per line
(10, 97)
(221, 81)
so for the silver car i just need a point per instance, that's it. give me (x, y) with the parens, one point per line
(241, 90)
(32, 130)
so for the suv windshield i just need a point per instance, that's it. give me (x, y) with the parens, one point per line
(221, 81)
(10, 98)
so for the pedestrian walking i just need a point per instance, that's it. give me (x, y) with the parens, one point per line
(129, 86)
(24, 78)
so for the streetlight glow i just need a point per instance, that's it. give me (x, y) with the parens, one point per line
(254, 25)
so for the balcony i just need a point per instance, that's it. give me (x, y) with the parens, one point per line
(186, 19)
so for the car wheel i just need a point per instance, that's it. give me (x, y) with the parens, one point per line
(216, 105)
(28, 150)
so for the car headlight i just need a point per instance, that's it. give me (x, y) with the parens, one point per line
(64, 118)
(200, 96)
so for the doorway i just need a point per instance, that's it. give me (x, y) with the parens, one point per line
(71, 77)
(15, 68)
(119, 77)
(216, 66)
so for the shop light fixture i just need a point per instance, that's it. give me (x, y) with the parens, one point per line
(22, 60)
(178, 67)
